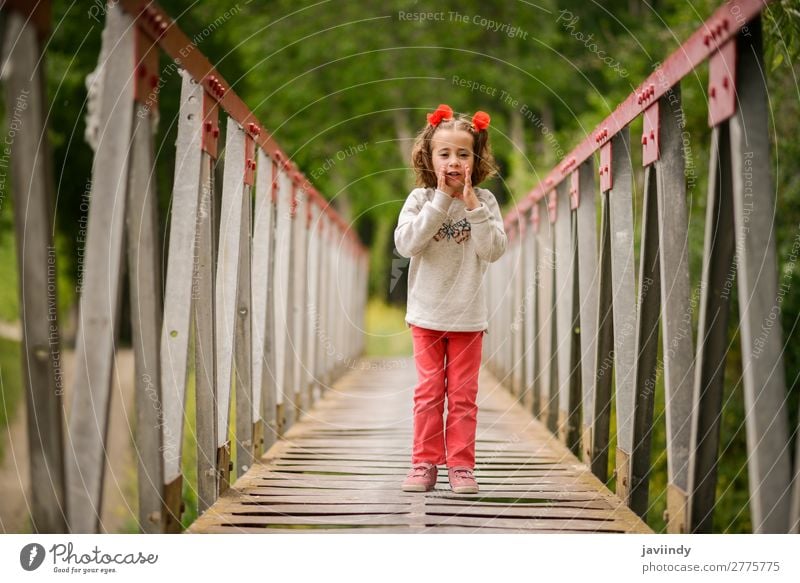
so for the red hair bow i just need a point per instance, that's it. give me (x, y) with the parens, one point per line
(480, 120)
(442, 112)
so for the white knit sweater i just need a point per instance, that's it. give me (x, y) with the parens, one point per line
(450, 248)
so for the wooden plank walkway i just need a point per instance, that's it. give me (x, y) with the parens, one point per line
(340, 467)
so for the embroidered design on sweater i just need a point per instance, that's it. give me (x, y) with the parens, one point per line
(460, 231)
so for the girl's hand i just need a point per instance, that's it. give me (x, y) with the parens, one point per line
(442, 182)
(468, 196)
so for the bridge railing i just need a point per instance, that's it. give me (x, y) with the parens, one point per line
(266, 308)
(575, 328)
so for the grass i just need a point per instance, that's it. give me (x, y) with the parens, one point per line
(9, 300)
(188, 462)
(189, 453)
(387, 334)
(10, 384)
(9, 275)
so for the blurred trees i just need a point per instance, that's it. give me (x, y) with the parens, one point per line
(344, 86)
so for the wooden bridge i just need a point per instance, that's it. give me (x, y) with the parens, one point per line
(263, 298)
(339, 469)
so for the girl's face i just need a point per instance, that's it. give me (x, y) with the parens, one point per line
(453, 150)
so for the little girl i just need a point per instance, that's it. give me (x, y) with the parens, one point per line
(451, 231)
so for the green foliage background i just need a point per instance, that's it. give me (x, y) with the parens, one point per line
(332, 77)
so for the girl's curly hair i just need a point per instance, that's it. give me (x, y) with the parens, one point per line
(422, 157)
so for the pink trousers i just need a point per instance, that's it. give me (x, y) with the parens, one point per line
(448, 364)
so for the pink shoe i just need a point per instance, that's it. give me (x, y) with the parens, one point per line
(462, 480)
(421, 477)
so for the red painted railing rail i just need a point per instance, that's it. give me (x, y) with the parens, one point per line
(706, 42)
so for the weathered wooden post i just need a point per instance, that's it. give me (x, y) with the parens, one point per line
(192, 177)
(102, 284)
(264, 386)
(144, 275)
(26, 103)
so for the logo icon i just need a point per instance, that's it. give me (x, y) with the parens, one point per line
(31, 556)
(399, 264)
